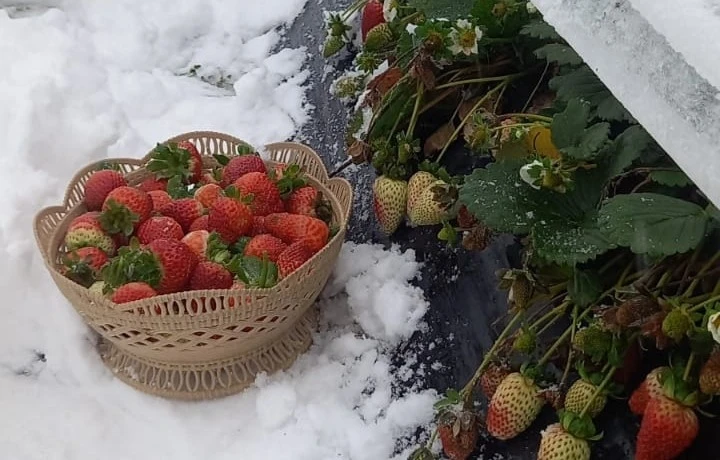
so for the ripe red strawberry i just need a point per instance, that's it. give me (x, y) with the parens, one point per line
(265, 194)
(241, 165)
(181, 159)
(667, 429)
(86, 233)
(175, 261)
(207, 194)
(514, 406)
(133, 291)
(124, 209)
(710, 375)
(201, 223)
(152, 184)
(159, 227)
(197, 242)
(459, 434)
(258, 226)
(84, 264)
(308, 201)
(265, 244)
(292, 258)
(160, 198)
(230, 218)
(185, 211)
(648, 389)
(99, 185)
(292, 228)
(492, 378)
(210, 275)
(210, 177)
(372, 15)
(92, 217)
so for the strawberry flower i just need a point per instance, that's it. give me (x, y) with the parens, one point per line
(714, 326)
(532, 173)
(531, 9)
(390, 10)
(465, 38)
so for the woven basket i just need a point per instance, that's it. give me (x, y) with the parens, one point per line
(162, 346)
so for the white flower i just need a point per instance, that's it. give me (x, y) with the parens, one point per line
(530, 8)
(530, 173)
(411, 28)
(390, 10)
(465, 38)
(714, 326)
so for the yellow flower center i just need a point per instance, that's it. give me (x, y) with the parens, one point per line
(467, 38)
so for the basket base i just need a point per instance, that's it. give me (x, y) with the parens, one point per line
(213, 379)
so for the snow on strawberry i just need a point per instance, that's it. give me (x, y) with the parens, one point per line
(99, 185)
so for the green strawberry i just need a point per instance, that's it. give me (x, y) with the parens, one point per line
(389, 202)
(333, 45)
(593, 341)
(514, 406)
(416, 186)
(378, 37)
(676, 324)
(558, 444)
(525, 341)
(580, 394)
(89, 234)
(427, 210)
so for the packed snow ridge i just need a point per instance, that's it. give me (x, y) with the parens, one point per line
(86, 80)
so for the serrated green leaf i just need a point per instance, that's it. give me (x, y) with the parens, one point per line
(449, 9)
(568, 243)
(557, 52)
(540, 29)
(653, 224)
(583, 83)
(570, 135)
(508, 25)
(499, 198)
(221, 159)
(670, 178)
(627, 148)
(585, 287)
(593, 140)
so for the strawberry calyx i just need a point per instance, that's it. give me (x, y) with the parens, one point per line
(580, 427)
(117, 218)
(170, 160)
(239, 246)
(291, 180)
(675, 387)
(422, 453)
(177, 189)
(132, 263)
(253, 271)
(78, 270)
(217, 251)
(232, 192)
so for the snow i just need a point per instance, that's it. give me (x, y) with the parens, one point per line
(85, 80)
(654, 57)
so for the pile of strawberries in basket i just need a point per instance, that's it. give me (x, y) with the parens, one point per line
(238, 225)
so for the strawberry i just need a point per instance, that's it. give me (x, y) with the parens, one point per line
(292, 228)
(210, 177)
(208, 193)
(389, 203)
(557, 444)
(458, 434)
(133, 291)
(230, 218)
(427, 210)
(372, 15)
(207, 246)
(239, 166)
(97, 289)
(210, 275)
(492, 378)
(83, 265)
(201, 223)
(292, 258)
(160, 199)
(710, 375)
(258, 226)
(265, 194)
(164, 264)
(667, 429)
(92, 217)
(648, 389)
(185, 211)
(417, 184)
(265, 244)
(99, 185)
(514, 406)
(159, 227)
(89, 234)
(378, 38)
(580, 394)
(308, 201)
(180, 159)
(124, 209)
(153, 184)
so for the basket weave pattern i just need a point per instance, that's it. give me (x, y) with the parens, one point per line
(202, 344)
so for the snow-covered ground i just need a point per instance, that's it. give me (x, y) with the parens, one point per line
(87, 79)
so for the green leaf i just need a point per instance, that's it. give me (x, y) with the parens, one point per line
(499, 198)
(449, 9)
(583, 83)
(507, 25)
(540, 29)
(177, 189)
(627, 148)
(653, 224)
(245, 149)
(585, 288)
(570, 135)
(221, 159)
(670, 178)
(566, 243)
(556, 52)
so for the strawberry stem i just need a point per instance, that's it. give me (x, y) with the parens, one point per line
(598, 390)
(710, 263)
(701, 305)
(688, 366)
(416, 109)
(565, 335)
(552, 314)
(529, 116)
